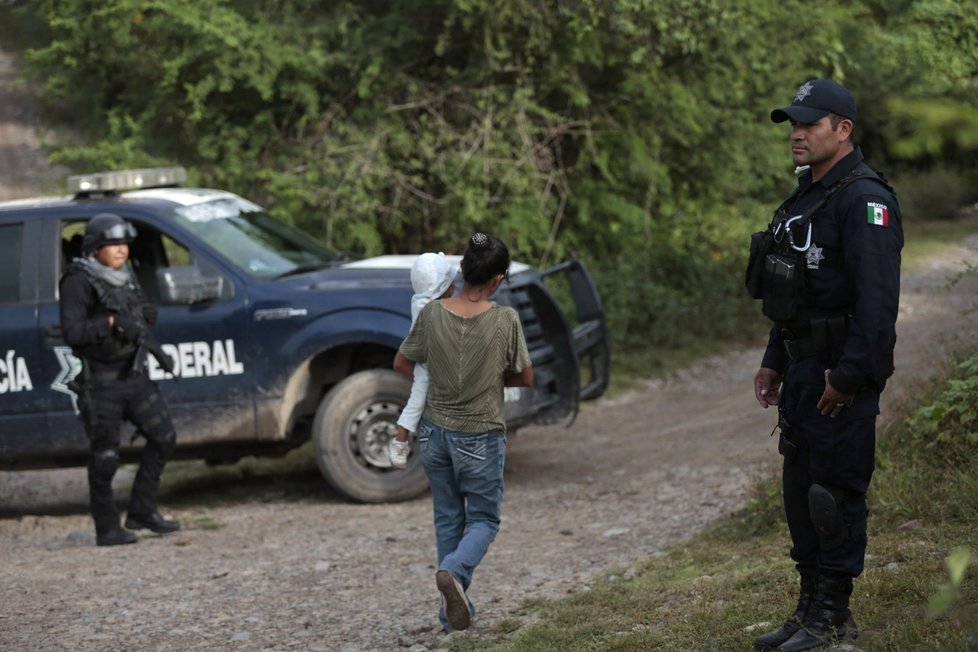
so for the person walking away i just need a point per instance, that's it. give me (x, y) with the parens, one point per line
(473, 348)
(432, 277)
(104, 318)
(828, 273)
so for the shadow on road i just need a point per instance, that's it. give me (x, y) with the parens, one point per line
(293, 478)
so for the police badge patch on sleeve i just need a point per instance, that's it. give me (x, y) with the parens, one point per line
(877, 214)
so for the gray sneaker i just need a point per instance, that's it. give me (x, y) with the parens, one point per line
(456, 604)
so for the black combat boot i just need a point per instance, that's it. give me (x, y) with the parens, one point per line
(153, 521)
(115, 537)
(771, 640)
(829, 619)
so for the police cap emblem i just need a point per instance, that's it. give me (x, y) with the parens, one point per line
(804, 91)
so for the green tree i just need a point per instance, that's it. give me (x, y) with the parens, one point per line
(631, 134)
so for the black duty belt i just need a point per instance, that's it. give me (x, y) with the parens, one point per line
(801, 348)
(823, 336)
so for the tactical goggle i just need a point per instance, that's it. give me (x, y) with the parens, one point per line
(123, 232)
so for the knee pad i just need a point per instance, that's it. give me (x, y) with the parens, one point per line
(825, 509)
(167, 441)
(160, 436)
(152, 418)
(104, 463)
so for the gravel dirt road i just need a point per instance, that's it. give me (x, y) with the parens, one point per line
(291, 565)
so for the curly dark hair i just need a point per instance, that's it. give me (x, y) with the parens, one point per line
(485, 257)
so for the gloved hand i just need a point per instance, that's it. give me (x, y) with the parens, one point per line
(150, 313)
(125, 328)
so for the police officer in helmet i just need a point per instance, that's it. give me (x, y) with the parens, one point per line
(105, 318)
(827, 270)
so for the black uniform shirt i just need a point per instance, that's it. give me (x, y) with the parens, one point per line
(853, 267)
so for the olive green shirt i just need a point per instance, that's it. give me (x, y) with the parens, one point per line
(467, 359)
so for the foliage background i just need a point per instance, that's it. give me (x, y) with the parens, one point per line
(631, 134)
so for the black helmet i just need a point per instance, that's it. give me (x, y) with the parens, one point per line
(106, 228)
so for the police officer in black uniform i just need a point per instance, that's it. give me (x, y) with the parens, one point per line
(828, 272)
(104, 318)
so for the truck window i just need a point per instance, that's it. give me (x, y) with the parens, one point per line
(153, 250)
(71, 242)
(150, 251)
(253, 241)
(11, 236)
(176, 254)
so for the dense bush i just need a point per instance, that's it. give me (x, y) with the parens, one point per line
(631, 134)
(937, 194)
(948, 427)
(934, 455)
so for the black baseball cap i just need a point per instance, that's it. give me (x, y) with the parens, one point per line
(814, 100)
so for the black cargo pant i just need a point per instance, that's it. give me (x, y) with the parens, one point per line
(138, 400)
(838, 454)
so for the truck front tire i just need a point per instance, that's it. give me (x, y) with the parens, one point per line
(353, 425)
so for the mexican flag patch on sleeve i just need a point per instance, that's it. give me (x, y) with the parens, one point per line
(877, 214)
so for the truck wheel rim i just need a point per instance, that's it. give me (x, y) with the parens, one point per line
(372, 430)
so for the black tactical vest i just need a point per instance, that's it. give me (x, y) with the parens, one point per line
(778, 255)
(110, 351)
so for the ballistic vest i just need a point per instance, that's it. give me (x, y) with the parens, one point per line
(110, 351)
(778, 256)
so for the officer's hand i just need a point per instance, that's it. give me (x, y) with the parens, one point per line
(833, 401)
(767, 387)
(150, 313)
(125, 328)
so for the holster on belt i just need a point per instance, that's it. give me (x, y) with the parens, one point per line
(787, 447)
(81, 385)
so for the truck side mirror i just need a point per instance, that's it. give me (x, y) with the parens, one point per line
(186, 284)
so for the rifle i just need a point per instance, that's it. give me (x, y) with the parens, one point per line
(146, 343)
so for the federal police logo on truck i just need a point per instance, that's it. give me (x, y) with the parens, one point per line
(71, 366)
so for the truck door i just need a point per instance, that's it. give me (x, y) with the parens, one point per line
(213, 400)
(22, 420)
(567, 338)
(63, 436)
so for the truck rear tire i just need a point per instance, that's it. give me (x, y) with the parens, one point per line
(354, 423)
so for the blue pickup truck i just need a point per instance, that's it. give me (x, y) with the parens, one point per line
(277, 339)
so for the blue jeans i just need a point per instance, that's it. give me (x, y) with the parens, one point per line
(465, 471)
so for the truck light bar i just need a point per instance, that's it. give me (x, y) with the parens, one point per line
(126, 180)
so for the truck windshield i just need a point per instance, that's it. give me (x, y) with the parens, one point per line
(252, 240)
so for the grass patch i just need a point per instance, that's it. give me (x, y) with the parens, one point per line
(927, 238)
(734, 581)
